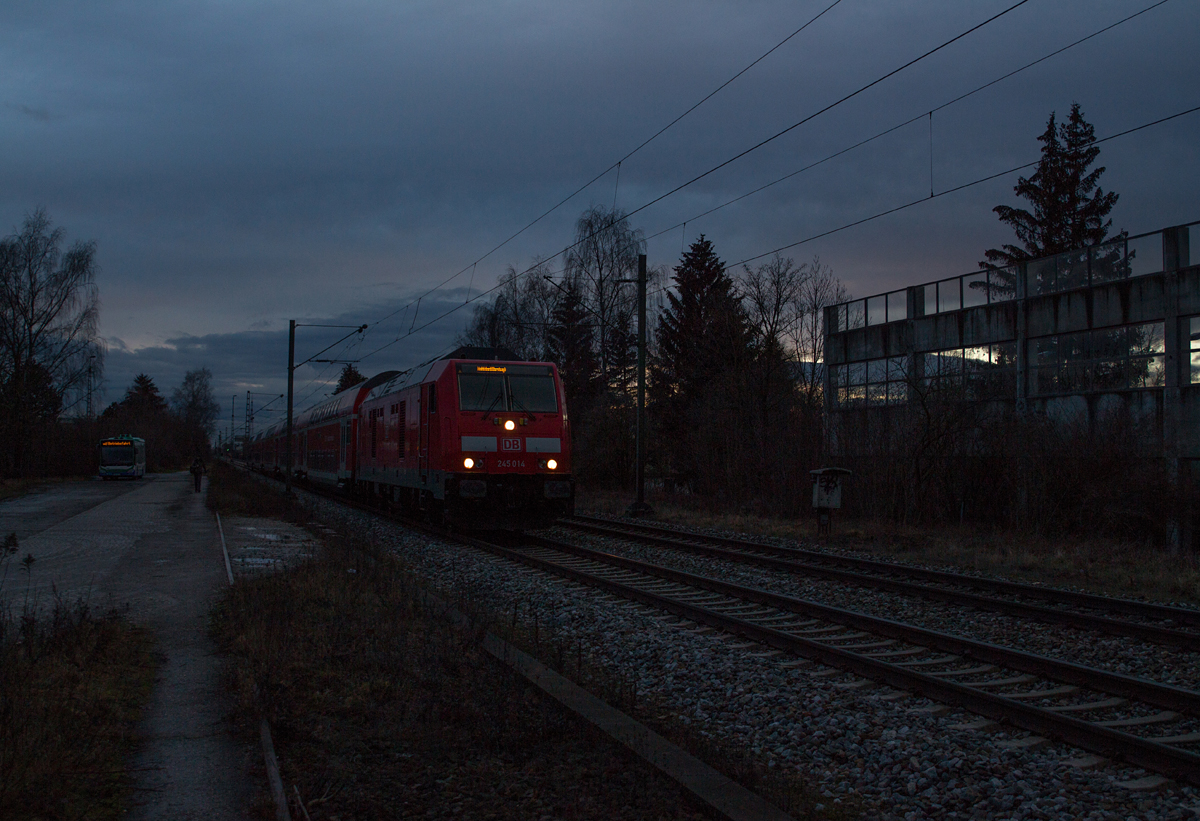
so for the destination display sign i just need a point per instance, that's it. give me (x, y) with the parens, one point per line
(511, 370)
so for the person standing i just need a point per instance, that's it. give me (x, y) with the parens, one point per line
(198, 470)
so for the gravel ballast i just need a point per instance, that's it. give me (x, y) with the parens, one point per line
(860, 748)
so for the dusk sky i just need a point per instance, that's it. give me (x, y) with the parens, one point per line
(240, 164)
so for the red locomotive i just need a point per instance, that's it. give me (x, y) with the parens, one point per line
(477, 439)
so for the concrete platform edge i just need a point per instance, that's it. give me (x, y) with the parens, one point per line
(264, 728)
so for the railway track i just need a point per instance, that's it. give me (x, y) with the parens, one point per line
(1160, 624)
(1124, 718)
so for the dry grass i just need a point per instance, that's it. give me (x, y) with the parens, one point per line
(785, 789)
(383, 706)
(233, 492)
(72, 685)
(1105, 566)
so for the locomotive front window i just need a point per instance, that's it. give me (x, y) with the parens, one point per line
(533, 393)
(116, 455)
(507, 388)
(481, 391)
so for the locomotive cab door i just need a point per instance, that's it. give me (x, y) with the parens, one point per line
(430, 435)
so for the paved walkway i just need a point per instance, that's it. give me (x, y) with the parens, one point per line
(156, 549)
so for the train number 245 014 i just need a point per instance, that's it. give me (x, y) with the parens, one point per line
(510, 463)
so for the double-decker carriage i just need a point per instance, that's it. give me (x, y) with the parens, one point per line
(324, 436)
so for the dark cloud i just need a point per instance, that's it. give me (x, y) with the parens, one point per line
(255, 360)
(39, 114)
(240, 164)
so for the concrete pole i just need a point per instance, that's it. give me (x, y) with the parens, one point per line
(640, 508)
(291, 371)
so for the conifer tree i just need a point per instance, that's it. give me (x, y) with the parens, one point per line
(704, 344)
(571, 343)
(349, 377)
(143, 398)
(1069, 210)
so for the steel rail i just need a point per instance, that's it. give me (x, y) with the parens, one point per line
(752, 553)
(1130, 607)
(1166, 696)
(1176, 763)
(1173, 762)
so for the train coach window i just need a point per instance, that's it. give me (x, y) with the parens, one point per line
(533, 393)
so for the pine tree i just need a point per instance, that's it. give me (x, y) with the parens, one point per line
(1069, 209)
(571, 342)
(349, 378)
(143, 398)
(704, 344)
(143, 412)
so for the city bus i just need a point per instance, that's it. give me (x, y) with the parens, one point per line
(122, 457)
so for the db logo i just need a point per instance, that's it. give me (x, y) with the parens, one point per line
(510, 444)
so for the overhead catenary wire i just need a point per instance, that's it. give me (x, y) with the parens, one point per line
(953, 190)
(727, 162)
(617, 165)
(923, 199)
(907, 122)
(734, 158)
(320, 381)
(415, 329)
(827, 108)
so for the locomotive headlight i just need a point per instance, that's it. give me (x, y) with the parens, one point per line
(510, 424)
(468, 463)
(552, 464)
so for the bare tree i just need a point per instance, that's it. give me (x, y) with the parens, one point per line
(49, 308)
(606, 252)
(518, 317)
(820, 289)
(772, 293)
(194, 405)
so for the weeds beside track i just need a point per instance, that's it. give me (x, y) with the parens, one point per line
(72, 684)
(383, 706)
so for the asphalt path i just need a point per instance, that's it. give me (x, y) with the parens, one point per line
(151, 549)
(75, 533)
(46, 505)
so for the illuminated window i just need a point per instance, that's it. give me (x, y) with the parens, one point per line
(1194, 347)
(1106, 359)
(875, 382)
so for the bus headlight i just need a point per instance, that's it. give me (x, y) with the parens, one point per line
(468, 463)
(553, 465)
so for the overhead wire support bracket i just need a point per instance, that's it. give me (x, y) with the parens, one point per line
(291, 375)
